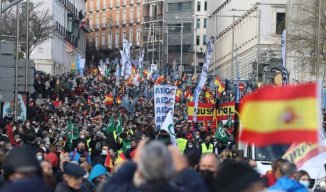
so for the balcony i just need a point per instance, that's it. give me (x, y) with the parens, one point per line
(117, 5)
(138, 2)
(138, 20)
(117, 23)
(124, 3)
(124, 22)
(103, 25)
(111, 5)
(131, 21)
(131, 2)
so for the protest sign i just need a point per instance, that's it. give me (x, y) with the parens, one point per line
(164, 98)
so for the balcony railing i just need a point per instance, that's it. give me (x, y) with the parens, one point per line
(117, 5)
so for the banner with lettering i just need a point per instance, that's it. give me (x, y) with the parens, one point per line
(164, 98)
(205, 111)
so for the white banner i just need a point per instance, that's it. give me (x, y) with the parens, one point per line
(203, 75)
(125, 59)
(168, 126)
(164, 98)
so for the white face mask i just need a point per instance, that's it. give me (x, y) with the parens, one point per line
(82, 136)
(104, 152)
(305, 183)
(39, 157)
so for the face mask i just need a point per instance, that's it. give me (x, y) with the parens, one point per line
(104, 152)
(197, 136)
(39, 157)
(207, 175)
(60, 138)
(305, 183)
(190, 146)
(82, 150)
(82, 136)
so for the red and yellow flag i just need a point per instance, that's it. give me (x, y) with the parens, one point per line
(109, 99)
(178, 96)
(218, 82)
(280, 115)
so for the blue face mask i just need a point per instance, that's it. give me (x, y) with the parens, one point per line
(305, 183)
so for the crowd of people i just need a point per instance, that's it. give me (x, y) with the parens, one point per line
(74, 139)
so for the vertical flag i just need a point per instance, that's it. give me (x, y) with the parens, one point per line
(169, 127)
(237, 94)
(119, 125)
(110, 128)
(220, 134)
(284, 73)
(203, 75)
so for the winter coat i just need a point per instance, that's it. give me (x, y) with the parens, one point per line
(287, 184)
(122, 181)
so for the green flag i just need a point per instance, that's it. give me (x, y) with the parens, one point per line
(72, 132)
(220, 134)
(229, 122)
(119, 125)
(110, 128)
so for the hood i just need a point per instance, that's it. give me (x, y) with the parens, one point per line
(97, 170)
(289, 185)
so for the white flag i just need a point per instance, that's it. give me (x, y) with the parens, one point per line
(168, 126)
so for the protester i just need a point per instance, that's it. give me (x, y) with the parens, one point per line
(303, 178)
(208, 168)
(287, 181)
(72, 179)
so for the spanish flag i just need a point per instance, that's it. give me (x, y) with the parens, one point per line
(108, 99)
(280, 115)
(221, 87)
(119, 100)
(178, 96)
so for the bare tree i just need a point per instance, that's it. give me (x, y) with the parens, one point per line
(302, 34)
(41, 25)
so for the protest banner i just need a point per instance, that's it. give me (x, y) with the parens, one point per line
(164, 98)
(205, 111)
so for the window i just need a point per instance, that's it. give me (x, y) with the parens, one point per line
(138, 37)
(103, 19)
(138, 13)
(130, 35)
(204, 40)
(91, 21)
(97, 4)
(118, 17)
(131, 15)
(174, 7)
(124, 15)
(97, 20)
(110, 40)
(103, 40)
(198, 23)
(104, 4)
(124, 35)
(198, 6)
(198, 40)
(117, 39)
(91, 5)
(96, 41)
(205, 6)
(280, 23)
(205, 21)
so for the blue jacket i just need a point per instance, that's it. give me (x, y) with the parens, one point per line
(75, 156)
(287, 184)
(121, 181)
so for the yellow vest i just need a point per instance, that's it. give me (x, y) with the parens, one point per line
(182, 143)
(204, 149)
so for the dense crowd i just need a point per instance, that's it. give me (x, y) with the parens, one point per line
(74, 139)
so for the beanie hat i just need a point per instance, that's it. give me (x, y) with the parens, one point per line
(53, 158)
(20, 160)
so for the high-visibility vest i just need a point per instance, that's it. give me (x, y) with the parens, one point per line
(204, 149)
(182, 143)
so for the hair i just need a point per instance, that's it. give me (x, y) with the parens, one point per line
(301, 173)
(278, 164)
(288, 169)
(156, 162)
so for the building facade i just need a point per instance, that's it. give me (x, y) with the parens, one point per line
(251, 27)
(111, 21)
(200, 37)
(179, 22)
(67, 46)
(153, 32)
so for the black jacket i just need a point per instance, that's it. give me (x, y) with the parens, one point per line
(122, 182)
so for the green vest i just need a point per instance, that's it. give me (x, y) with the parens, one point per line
(182, 143)
(204, 149)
